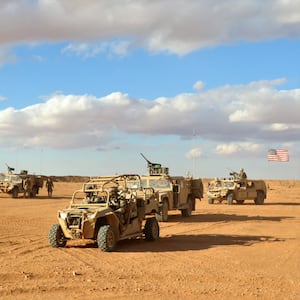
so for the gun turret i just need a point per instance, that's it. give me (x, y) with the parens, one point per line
(155, 168)
(10, 169)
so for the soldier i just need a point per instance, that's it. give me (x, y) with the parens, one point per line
(49, 185)
(243, 174)
(242, 177)
(27, 187)
(88, 197)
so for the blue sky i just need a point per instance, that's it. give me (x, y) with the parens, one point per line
(203, 86)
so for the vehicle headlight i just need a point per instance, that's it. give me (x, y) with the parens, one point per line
(63, 215)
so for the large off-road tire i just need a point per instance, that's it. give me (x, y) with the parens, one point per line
(230, 199)
(162, 216)
(210, 201)
(14, 192)
(151, 229)
(187, 212)
(34, 192)
(106, 238)
(56, 237)
(260, 199)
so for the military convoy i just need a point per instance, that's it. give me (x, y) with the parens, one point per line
(174, 192)
(236, 188)
(108, 209)
(13, 184)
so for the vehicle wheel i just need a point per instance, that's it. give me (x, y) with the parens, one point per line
(259, 200)
(33, 192)
(106, 238)
(162, 216)
(14, 192)
(151, 229)
(230, 199)
(56, 237)
(210, 201)
(240, 201)
(187, 212)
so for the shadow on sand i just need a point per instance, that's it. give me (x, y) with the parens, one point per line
(186, 242)
(224, 218)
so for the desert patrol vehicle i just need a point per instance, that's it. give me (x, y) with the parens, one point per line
(13, 184)
(175, 192)
(108, 209)
(236, 188)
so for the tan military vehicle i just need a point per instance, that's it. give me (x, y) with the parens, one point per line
(175, 192)
(108, 209)
(236, 188)
(14, 184)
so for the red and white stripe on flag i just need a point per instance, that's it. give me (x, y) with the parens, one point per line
(278, 155)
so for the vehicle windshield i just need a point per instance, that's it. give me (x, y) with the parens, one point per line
(228, 183)
(89, 197)
(157, 183)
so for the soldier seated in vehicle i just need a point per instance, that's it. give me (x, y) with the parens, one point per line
(91, 197)
(124, 207)
(88, 197)
(217, 183)
(114, 198)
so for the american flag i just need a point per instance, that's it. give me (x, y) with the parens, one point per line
(278, 155)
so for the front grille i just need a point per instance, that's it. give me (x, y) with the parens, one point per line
(74, 222)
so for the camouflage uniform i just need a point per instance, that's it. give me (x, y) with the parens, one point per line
(49, 185)
(27, 188)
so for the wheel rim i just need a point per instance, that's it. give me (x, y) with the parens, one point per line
(60, 237)
(110, 239)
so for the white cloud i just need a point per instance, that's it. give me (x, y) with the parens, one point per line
(84, 50)
(279, 127)
(176, 26)
(199, 85)
(88, 50)
(234, 115)
(235, 148)
(194, 153)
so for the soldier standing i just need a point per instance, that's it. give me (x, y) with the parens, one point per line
(49, 185)
(243, 177)
(27, 187)
(243, 174)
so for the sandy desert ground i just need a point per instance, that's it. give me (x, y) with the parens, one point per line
(221, 252)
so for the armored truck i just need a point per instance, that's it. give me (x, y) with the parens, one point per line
(174, 192)
(108, 209)
(236, 188)
(13, 184)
